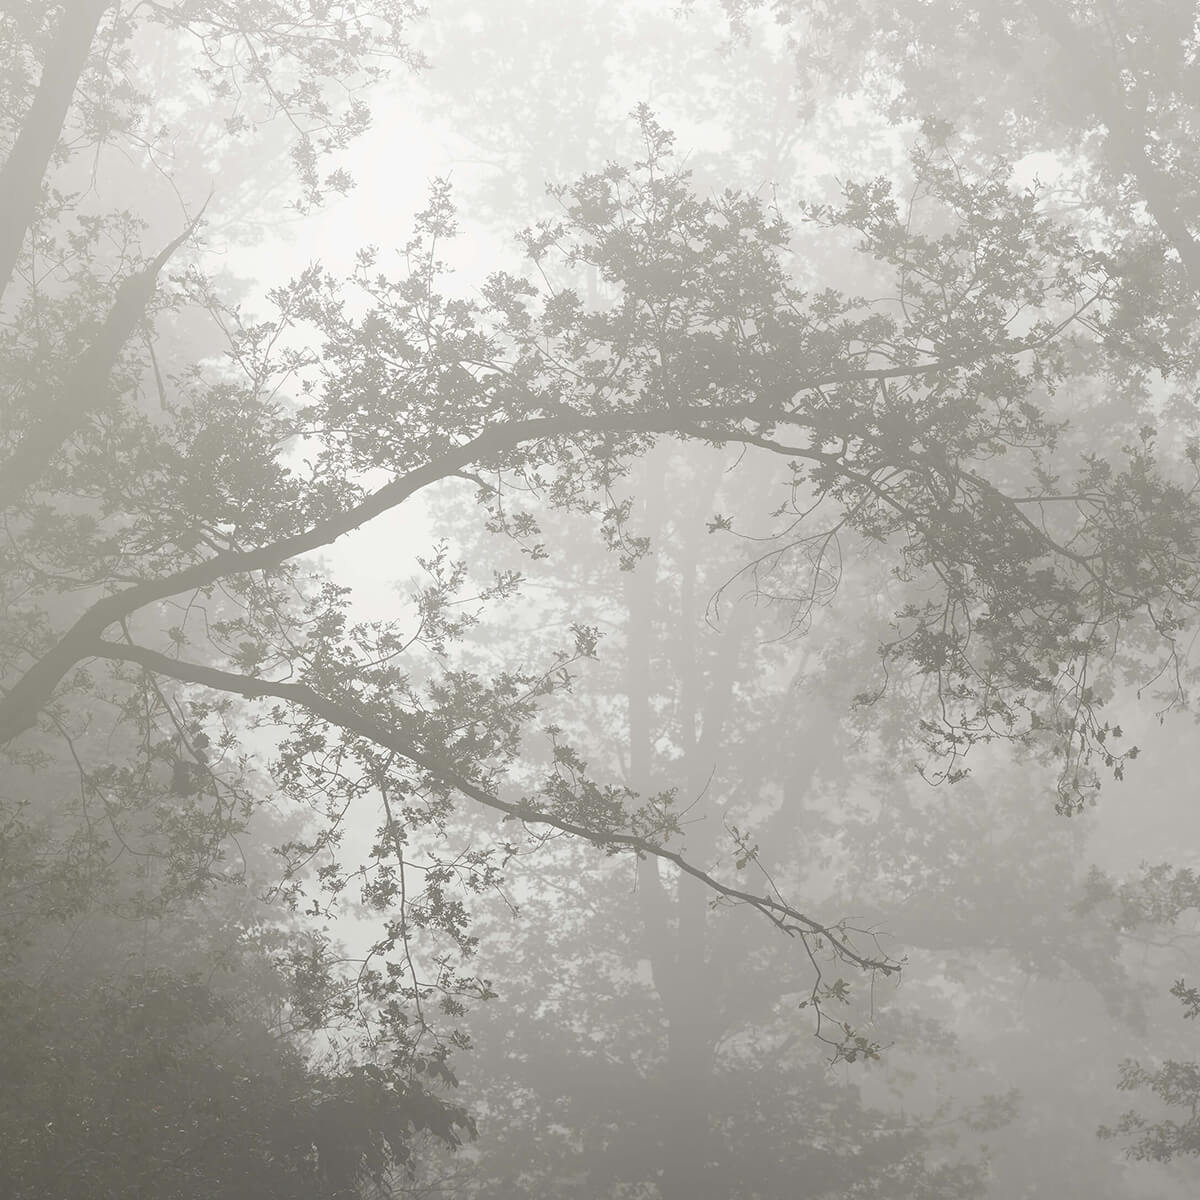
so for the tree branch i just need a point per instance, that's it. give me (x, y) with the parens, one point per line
(343, 716)
(58, 416)
(21, 704)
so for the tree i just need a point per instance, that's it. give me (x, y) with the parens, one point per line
(129, 1070)
(155, 557)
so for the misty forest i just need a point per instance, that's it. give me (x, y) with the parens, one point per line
(598, 599)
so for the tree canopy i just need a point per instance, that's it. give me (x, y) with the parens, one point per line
(893, 384)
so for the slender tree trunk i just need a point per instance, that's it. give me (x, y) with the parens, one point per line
(22, 173)
(676, 925)
(57, 413)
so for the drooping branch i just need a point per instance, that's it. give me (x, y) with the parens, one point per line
(22, 173)
(353, 721)
(59, 414)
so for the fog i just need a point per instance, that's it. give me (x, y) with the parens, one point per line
(598, 600)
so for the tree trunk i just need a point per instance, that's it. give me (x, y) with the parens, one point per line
(22, 174)
(675, 925)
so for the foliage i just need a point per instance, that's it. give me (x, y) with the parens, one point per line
(166, 626)
(153, 1084)
(1177, 1085)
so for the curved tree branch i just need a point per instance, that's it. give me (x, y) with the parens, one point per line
(21, 704)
